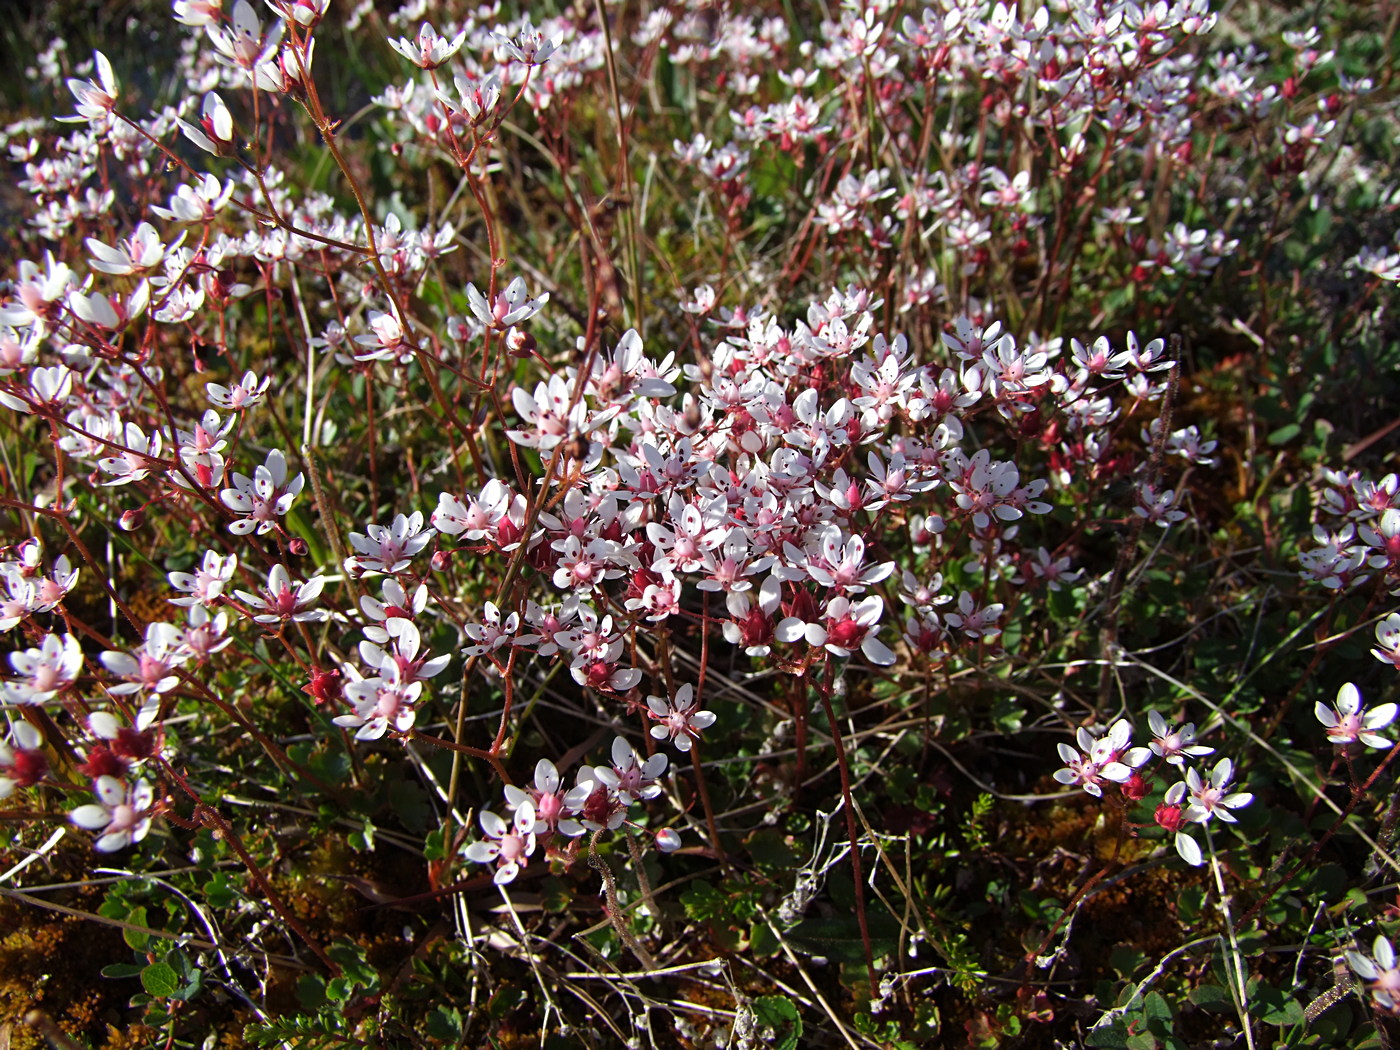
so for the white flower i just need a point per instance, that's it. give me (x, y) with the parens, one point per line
(1208, 797)
(509, 846)
(281, 601)
(630, 775)
(264, 498)
(46, 671)
(1172, 744)
(150, 668)
(121, 813)
(1347, 725)
(491, 634)
(96, 98)
(388, 549)
(1379, 968)
(247, 392)
(429, 50)
(679, 718)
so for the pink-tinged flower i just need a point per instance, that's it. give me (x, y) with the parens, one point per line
(122, 813)
(205, 584)
(1174, 745)
(753, 624)
(1347, 725)
(582, 567)
(38, 294)
(429, 50)
(840, 565)
(199, 203)
(142, 251)
(205, 635)
(150, 669)
(548, 417)
(380, 702)
(1209, 798)
(281, 601)
(843, 626)
(388, 549)
(304, 13)
(397, 608)
(479, 517)
(246, 393)
(631, 776)
(626, 374)
(975, 621)
(264, 498)
(604, 674)
(1158, 508)
(22, 760)
(216, 126)
(528, 46)
(491, 634)
(596, 804)
(386, 341)
(1388, 640)
(689, 532)
(198, 13)
(138, 458)
(1054, 571)
(680, 718)
(1099, 759)
(18, 352)
(46, 671)
(403, 660)
(20, 599)
(47, 387)
(96, 98)
(1171, 816)
(1380, 970)
(242, 43)
(549, 798)
(508, 846)
(510, 307)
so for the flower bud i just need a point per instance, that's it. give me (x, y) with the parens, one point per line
(1136, 787)
(441, 561)
(298, 546)
(668, 840)
(520, 344)
(131, 520)
(1169, 817)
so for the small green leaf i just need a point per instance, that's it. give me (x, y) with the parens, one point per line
(780, 1014)
(160, 980)
(135, 938)
(445, 1023)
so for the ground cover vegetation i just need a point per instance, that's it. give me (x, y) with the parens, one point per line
(701, 525)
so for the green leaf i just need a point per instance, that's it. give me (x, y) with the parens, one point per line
(762, 941)
(1284, 434)
(704, 903)
(160, 980)
(1156, 1008)
(780, 1014)
(119, 970)
(445, 1023)
(135, 938)
(311, 992)
(1111, 1035)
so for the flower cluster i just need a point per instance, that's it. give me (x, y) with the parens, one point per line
(1195, 799)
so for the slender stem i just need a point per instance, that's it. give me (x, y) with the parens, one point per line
(852, 831)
